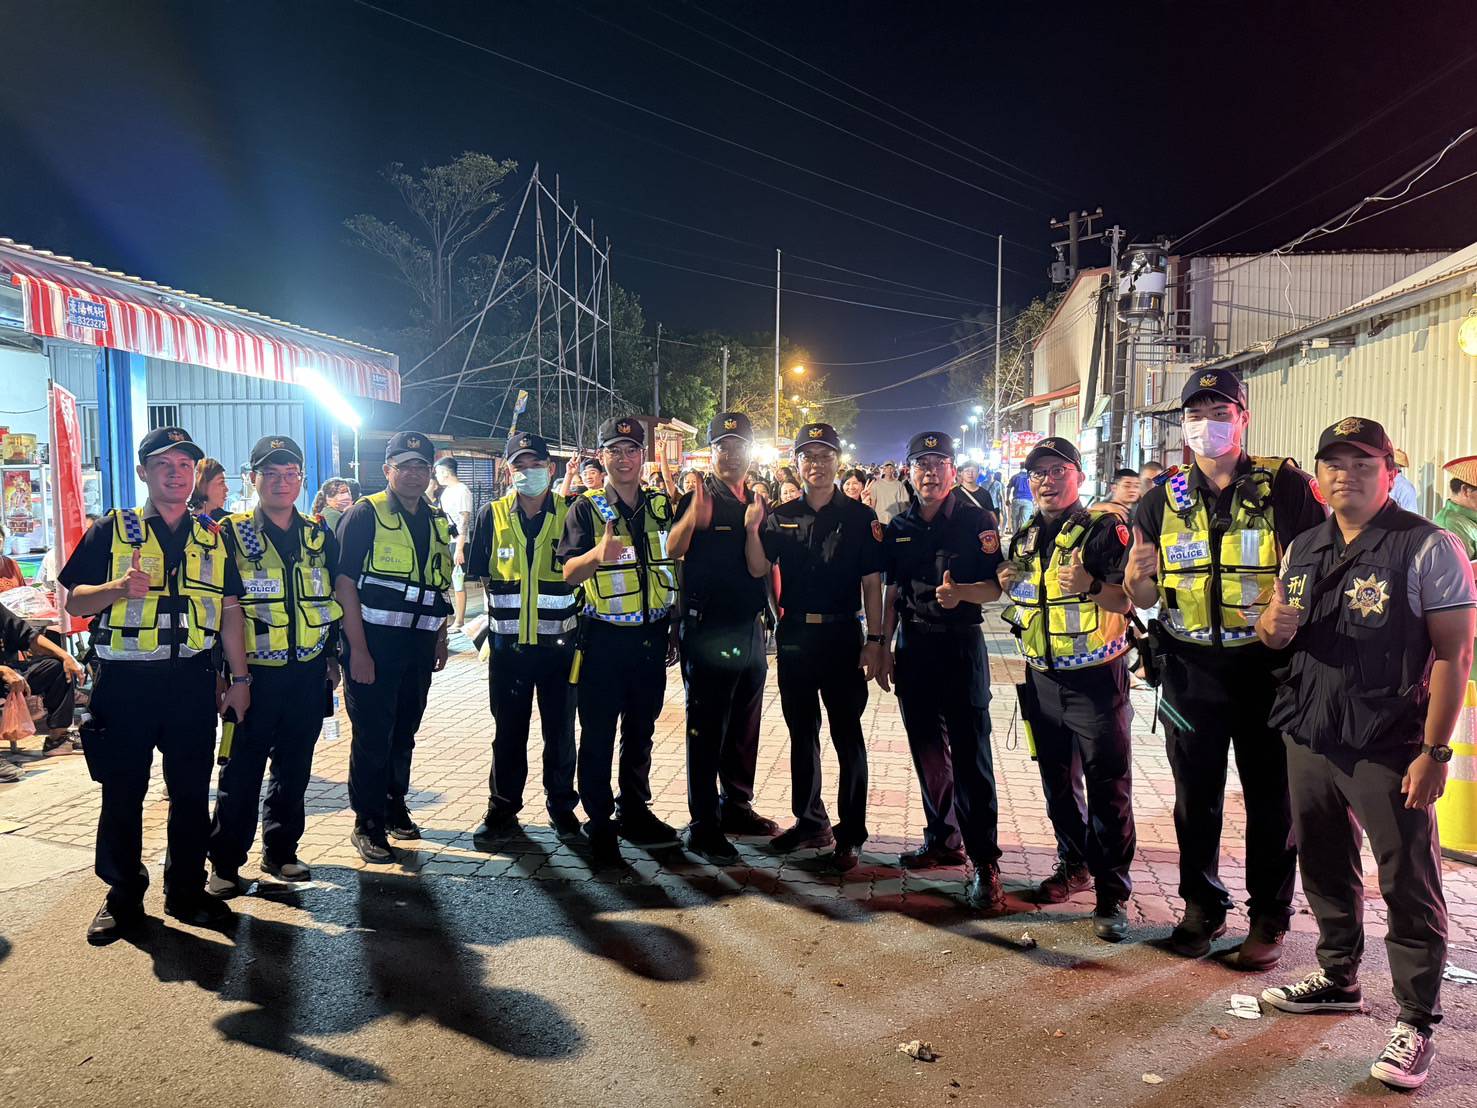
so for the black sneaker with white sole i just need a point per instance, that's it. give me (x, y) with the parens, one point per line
(1405, 1062)
(372, 845)
(1314, 993)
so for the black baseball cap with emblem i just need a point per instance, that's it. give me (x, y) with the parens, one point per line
(1224, 383)
(730, 425)
(1054, 447)
(622, 429)
(276, 449)
(822, 433)
(161, 440)
(406, 446)
(526, 442)
(1362, 434)
(931, 442)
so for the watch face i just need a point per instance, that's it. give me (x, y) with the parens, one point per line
(1439, 753)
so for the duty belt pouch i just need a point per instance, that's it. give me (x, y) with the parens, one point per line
(1151, 643)
(96, 749)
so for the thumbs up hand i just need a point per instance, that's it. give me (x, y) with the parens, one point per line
(702, 505)
(1279, 622)
(610, 546)
(947, 594)
(1142, 566)
(135, 583)
(1074, 576)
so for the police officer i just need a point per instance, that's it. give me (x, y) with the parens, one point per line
(1206, 547)
(164, 590)
(1377, 605)
(829, 550)
(615, 543)
(532, 619)
(939, 559)
(722, 646)
(287, 565)
(394, 571)
(1069, 613)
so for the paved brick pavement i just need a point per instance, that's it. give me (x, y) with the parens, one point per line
(450, 793)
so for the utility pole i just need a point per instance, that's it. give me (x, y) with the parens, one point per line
(656, 377)
(724, 402)
(1118, 401)
(1062, 273)
(999, 288)
(776, 353)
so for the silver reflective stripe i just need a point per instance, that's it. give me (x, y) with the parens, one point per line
(504, 599)
(504, 626)
(384, 618)
(556, 626)
(547, 601)
(108, 654)
(429, 623)
(386, 583)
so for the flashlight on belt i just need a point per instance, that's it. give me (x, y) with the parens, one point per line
(228, 736)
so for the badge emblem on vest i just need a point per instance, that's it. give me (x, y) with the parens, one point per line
(1367, 596)
(1350, 426)
(1208, 381)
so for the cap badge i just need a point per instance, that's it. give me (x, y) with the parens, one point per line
(1368, 596)
(623, 428)
(931, 440)
(816, 432)
(1050, 444)
(1208, 381)
(730, 424)
(1350, 426)
(413, 441)
(278, 444)
(176, 436)
(525, 441)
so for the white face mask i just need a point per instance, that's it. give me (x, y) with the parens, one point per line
(1210, 439)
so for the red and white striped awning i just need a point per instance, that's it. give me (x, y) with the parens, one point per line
(60, 302)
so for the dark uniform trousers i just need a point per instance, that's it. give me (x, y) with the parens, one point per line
(943, 692)
(385, 717)
(622, 681)
(820, 664)
(281, 726)
(1226, 697)
(516, 673)
(136, 707)
(1085, 755)
(723, 667)
(1336, 800)
(48, 680)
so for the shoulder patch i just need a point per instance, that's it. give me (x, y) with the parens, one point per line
(990, 542)
(1122, 533)
(1317, 492)
(877, 529)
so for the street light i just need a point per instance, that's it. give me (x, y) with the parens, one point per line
(797, 370)
(979, 409)
(334, 402)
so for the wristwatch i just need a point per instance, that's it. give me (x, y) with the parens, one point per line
(1439, 754)
(874, 638)
(240, 678)
(1097, 587)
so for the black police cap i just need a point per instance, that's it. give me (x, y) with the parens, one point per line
(730, 425)
(822, 433)
(161, 440)
(526, 442)
(1363, 434)
(931, 442)
(1054, 447)
(622, 429)
(1224, 383)
(277, 449)
(407, 445)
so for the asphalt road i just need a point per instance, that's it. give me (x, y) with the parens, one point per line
(428, 990)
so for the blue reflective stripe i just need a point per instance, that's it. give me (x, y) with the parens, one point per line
(1105, 653)
(1178, 491)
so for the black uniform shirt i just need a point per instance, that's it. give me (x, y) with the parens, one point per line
(16, 636)
(356, 534)
(583, 526)
(823, 555)
(92, 562)
(961, 538)
(1294, 507)
(1104, 553)
(715, 577)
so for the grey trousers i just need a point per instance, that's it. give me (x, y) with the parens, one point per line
(1333, 798)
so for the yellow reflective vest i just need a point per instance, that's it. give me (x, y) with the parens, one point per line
(620, 592)
(289, 614)
(395, 590)
(531, 602)
(1214, 583)
(180, 616)
(1055, 629)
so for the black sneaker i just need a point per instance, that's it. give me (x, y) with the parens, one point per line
(1314, 993)
(931, 857)
(198, 909)
(984, 893)
(712, 845)
(1066, 880)
(747, 822)
(641, 827)
(1110, 921)
(802, 838)
(566, 824)
(605, 847)
(1193, 935)
(1405, 1062)
(372, 845)
(495, 824)
(113, 922)
(398, 822)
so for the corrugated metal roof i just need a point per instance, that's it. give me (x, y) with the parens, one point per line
(51, 258)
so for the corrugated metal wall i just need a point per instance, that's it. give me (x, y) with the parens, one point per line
(1412, 377)
(1063, 352)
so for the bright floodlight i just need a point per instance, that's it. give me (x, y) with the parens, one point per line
(323, 391)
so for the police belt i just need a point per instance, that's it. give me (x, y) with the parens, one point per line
(940, 628)
(732, 619)
(821, 617)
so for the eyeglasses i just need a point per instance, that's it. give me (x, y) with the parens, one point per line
(283, 476)
(412, 467)
(932, 465)
(1056, 473)
(624, 451)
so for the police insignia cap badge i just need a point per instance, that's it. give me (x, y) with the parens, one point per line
(623, 427)
(730, 424)
(176, 436)
(930, 441)
(413, 441)
(1208, 380)
(816, 432)
(1350, 426)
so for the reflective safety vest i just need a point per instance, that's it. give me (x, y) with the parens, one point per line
(395, 590)
(289, 614)
(620, 592)
(180, 616)
(1055, 629)
(532, 603)
(1214, 580)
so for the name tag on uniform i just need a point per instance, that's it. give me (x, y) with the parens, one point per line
(262, 587)
(902, 538)
(628, 554)
(504, 553)
(1186, 552)
(722, 527)
(790, 526)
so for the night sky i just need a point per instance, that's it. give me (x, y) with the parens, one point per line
(218, 146)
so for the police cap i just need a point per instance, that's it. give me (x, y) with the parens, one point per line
(931, 442)
(161, 440)
(278, 449)
(622, 429)
(1224, 383)
(526, 442)
(1054, 447)
(1363, 434)
(407, 446)
(730, 425)
(822, 433)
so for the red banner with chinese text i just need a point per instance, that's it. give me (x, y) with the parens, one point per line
(66, 490)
